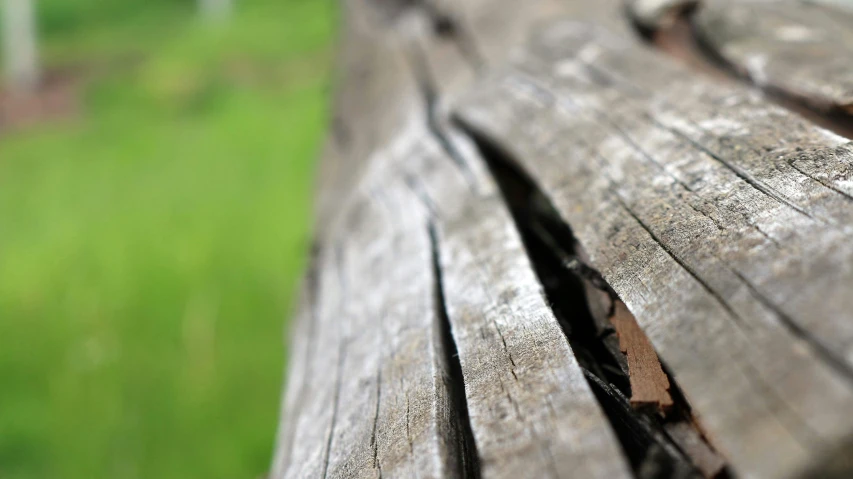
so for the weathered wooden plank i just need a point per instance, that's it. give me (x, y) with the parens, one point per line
(313, 414)
(402, 354)
(559, 427)
(299, 368)
(800, 48)
(375, 400)
(377, 395)
(373, 81)
(733, 261)
(757, 147)
(379, 402)
(498, 29)
(718, 219)
(532, 412)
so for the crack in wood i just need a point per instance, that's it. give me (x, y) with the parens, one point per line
(336, 398)
(797, 330)
(568, 283)
(468, 458)
(741, 173)
(642, 401)
(792, 162)
(426, 84)
(373, 442)
(714, 293)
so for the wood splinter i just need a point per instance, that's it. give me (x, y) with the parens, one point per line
(649, 384)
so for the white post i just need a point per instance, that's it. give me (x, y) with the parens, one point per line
(215, 9)
(20, 50)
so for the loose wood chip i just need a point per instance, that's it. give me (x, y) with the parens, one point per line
(649, 384)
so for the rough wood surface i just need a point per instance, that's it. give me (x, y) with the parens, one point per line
(685, 198)
(800, 48)
(529, 222)
(378, 401)
(373, 81)
(653, 15)
(707, 460)
(531, 410)
(371, 393)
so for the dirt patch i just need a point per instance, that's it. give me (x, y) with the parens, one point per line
(56, 98)
(59, 96)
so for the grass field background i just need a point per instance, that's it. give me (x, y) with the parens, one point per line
(150, 243)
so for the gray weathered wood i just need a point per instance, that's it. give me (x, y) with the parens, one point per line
(531, 410)
(377, 402)
(682, 192)
(432, 336)
(370, 393)
(800, 48)
(373, 81)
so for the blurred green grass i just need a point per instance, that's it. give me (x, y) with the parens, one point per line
(150, 246)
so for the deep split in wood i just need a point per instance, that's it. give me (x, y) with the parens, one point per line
(545, 248)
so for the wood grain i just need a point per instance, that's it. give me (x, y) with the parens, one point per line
(681, 191)
(369, 393)
(428, 342)
(372, 392)
(532, 412)
(801, 48)
(373, 80)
